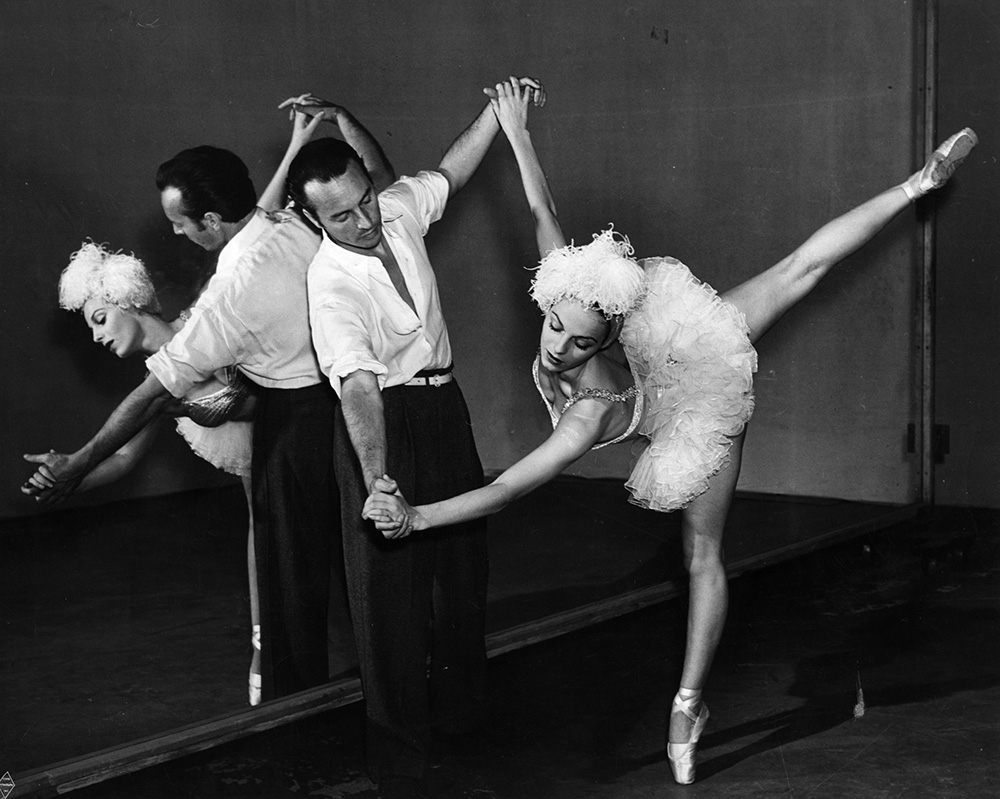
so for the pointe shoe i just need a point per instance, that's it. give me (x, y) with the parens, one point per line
(942, 164)
(682, 756)
(255, 689)
(255, 684)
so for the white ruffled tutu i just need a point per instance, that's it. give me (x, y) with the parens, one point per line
(691, 355)
(228, 447)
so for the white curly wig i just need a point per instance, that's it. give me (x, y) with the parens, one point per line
(114, 277)
(601, 275)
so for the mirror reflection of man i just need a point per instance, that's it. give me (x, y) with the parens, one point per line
(383, 344)
(253, 314)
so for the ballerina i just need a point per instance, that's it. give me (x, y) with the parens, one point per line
(115, 294)
(644, 348)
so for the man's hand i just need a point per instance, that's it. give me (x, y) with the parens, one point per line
(383, 485)
(537, 90)
(57, 476)
(392, 514)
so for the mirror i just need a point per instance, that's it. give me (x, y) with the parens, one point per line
(124, 613)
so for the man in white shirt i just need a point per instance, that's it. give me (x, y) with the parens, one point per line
(383, 345)
(251, 314)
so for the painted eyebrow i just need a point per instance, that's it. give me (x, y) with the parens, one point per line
(591, 338)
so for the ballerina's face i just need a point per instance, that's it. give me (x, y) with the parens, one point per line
(114, 328)
(571, 336)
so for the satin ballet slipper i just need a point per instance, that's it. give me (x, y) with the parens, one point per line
(255, 685)
(682, 756)
(942, 164)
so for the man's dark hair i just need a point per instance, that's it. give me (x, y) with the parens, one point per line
(321, 160)
(209, 179)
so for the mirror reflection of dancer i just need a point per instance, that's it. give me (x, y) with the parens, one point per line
(118, 301)
(114, 293)
(686, 384)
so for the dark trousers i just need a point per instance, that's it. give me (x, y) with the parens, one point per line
(296, 527)
(423, 596)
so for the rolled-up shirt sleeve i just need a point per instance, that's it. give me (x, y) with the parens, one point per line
(346, 333)
(343, 344)
(424, 196)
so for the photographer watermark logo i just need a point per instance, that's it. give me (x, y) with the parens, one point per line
(6, 785)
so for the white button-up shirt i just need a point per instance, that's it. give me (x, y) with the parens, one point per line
(253, 313)
(359, 321)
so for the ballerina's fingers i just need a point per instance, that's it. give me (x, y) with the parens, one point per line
(44, 477)
(40, 481)
(405, 527)
(299, 100)
(538, 95)
(33, 487)
(390, 526)
(537, 90)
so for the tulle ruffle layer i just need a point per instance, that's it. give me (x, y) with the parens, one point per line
(228, 447)
(691, 354)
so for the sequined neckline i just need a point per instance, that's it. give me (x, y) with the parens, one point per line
(596, 393)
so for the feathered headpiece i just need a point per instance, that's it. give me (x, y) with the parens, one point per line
(114, 277)
(601, 275)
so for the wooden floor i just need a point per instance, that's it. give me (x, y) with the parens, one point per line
(126, 629)
(868, 669)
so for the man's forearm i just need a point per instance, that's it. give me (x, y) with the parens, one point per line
(131, 416)
(361, 403)
(121, 462)
(469, 149)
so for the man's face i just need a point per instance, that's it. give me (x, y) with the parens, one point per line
(205, 236)
(347, 209)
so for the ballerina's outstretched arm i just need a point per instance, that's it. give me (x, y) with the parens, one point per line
(578, 430)
(510, 104)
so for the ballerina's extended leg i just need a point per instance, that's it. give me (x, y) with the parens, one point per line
(764, 298)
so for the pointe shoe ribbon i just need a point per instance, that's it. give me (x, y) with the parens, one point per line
(682, 756)
(942, 164)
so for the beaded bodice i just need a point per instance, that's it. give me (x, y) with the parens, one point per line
(596, 393)
(213, 409)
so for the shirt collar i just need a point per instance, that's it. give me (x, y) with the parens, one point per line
(247, 235)
(365, 268)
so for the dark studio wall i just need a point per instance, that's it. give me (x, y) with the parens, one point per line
(967, 334)
(719, 132)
